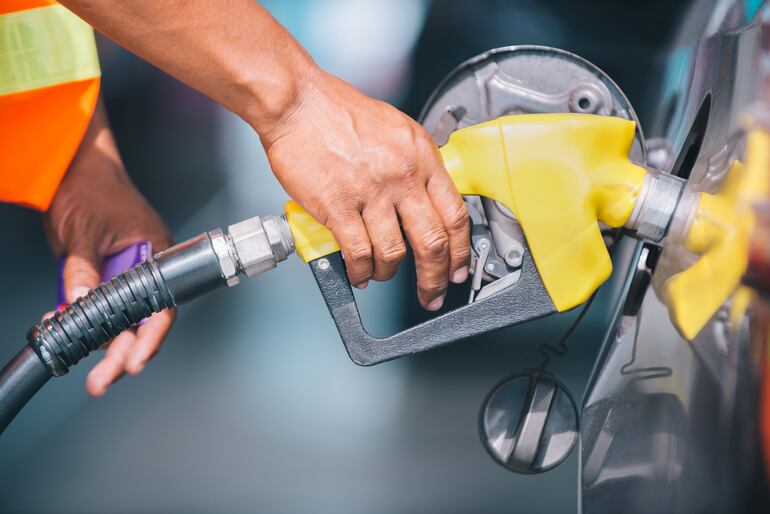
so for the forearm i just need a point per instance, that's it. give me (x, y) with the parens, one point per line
(234, 51)
(356, 164)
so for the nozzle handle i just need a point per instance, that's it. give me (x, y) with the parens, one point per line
(523, 301)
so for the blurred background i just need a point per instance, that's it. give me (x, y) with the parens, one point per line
(253, 404)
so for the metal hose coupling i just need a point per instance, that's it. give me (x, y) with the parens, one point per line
(258, 244)
(654, 210)
(186, 271)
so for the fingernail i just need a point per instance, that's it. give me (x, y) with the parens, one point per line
(362, 285)
(460, 275)
(436, 304)
(79, 291)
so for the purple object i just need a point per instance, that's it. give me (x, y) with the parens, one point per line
(114, 264)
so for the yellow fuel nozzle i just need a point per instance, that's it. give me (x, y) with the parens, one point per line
(560, 174)
(718, 229)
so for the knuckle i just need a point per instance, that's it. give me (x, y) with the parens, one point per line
(391, 254)
(405, 134)
(457, 218)
(426, 142)
(337, 219)
(434, 244)
(406, 173)
(339, 201)
(359, 253)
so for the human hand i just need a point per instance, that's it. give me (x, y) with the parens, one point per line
(355, 164)
(358, 165)
(97, 212)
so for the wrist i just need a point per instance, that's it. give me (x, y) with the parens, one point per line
(273, 100)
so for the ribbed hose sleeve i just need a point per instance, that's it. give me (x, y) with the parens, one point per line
(174, 276)
(71, 334)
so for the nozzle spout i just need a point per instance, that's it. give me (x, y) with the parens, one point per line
(655, 206)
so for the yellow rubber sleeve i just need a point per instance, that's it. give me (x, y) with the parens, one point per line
(312, 240)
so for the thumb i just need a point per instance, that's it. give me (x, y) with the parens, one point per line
(81, 273)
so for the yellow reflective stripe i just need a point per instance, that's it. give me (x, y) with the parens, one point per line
(44, 47)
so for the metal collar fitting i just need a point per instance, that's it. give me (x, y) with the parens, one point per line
(259, 243)
(658, 199)
(226, 256)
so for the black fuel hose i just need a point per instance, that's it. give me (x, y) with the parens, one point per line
(20, 379)
(174, 276)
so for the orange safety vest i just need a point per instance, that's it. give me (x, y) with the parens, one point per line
(49, 86)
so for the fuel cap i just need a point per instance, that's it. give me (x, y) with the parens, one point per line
(529, 422)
